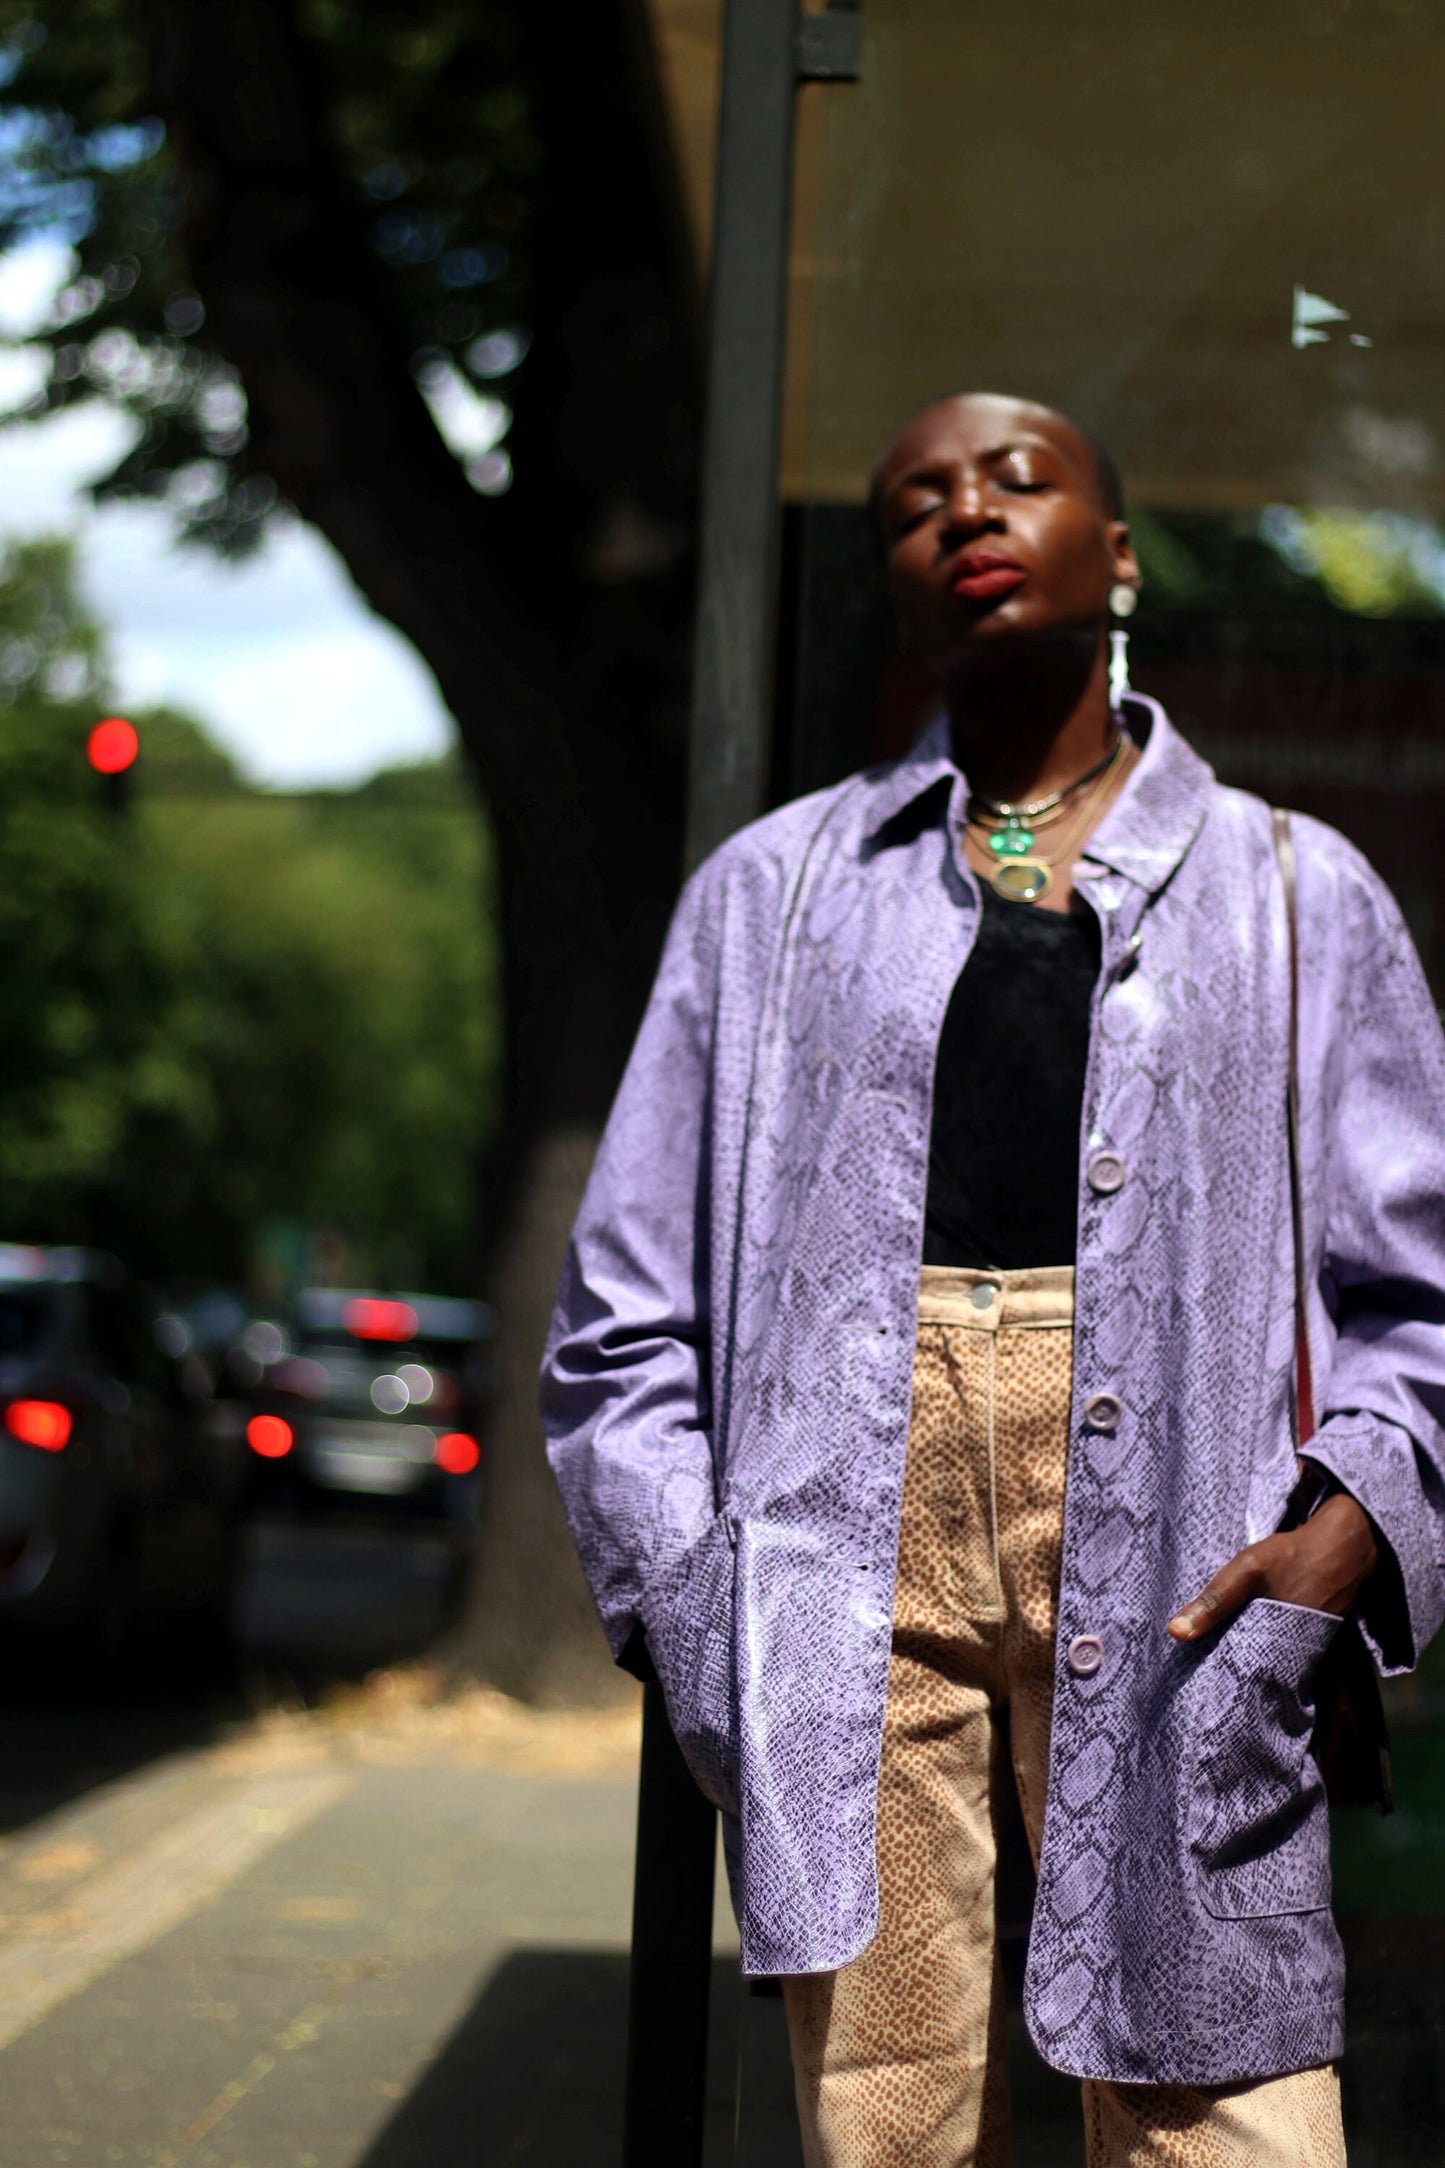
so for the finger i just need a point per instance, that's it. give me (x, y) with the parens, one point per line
(1228, 1592)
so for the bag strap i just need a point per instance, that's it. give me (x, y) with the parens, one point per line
(1303, 1403)
(1351, 1741)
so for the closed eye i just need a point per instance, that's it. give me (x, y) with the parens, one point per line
(906, 522)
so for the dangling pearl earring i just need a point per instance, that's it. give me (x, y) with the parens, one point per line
(1123, 602)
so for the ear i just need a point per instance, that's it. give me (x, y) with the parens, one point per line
(1123, 564)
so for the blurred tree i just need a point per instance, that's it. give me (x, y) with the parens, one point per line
(70, 921)
(49, 647)
(235, 1008)
(314, 243)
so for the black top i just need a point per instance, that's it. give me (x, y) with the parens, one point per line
(1008, 1094)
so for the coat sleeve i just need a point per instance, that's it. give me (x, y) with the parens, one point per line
(1383, 1267)
(626, 1374)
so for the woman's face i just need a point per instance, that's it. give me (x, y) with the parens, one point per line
(995, 529)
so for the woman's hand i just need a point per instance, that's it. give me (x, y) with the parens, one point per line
(1322, 1565)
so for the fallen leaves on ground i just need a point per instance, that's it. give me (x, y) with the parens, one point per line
(410, 1714)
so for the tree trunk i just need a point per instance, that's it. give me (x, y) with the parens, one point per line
(555, 620)
(531, 1628)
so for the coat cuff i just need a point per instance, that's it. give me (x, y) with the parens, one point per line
(1374, 1460)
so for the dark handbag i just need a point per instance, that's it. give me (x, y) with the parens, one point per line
(1351, 1742)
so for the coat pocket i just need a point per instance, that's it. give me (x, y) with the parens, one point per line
(1258, 1823)
(690, 1640)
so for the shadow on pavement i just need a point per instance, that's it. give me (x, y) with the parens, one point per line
(316, 1604)
(534, 2073)
(63, 1733)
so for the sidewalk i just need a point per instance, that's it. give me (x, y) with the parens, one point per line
(392, 1937)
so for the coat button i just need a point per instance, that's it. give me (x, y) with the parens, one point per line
(1086, 1653)
(1102, 1411)
(1106, 1173)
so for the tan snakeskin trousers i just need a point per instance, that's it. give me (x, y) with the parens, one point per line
(899, 2057)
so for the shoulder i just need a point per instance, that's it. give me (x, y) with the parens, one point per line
(1353, 935)
(735, 905)
(1331, 868)
(778, 843)
(1339, 889)
(762, 866)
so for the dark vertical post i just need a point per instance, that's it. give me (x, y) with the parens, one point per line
(667, 2004)
(767, 47)
(737, 571)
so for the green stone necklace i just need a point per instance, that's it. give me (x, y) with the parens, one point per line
(1016, 827)
(1020, 870)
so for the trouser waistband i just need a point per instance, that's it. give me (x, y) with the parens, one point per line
(955, 1295)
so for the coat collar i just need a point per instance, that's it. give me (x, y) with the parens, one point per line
(1147, 829)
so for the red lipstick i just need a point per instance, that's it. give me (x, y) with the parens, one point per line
(986, 576)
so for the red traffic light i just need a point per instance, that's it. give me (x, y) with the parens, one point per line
(112, 746)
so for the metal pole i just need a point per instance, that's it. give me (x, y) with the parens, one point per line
(667, 2004)
(767, 48)
(737, 570)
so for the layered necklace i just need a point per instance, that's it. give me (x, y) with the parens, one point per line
(1009, 833)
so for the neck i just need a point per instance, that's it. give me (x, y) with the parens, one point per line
(1024, 731)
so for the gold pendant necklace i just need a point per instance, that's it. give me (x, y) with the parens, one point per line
(1023, 879)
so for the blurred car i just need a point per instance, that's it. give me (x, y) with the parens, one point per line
(370, 1403)
(203, 1320)
(112, 1502)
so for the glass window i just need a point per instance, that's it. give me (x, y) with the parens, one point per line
(1214, 236)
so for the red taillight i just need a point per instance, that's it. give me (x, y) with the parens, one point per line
(43, 1423)
(369, 1318)
(457, 1453)
(270, 1437)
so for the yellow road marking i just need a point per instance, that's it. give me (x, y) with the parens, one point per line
(133, 1903)
(320, 1911)
(301, 2031)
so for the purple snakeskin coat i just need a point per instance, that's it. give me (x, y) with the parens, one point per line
(727, 1381)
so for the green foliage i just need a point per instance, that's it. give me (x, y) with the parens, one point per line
(430, 115)
(1373, 564)
(1293, 560)
(48, 645)
(224, 1009)
(178, 760)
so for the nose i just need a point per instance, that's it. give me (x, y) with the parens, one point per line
(971, 511)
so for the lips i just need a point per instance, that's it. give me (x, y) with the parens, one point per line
(983, 576)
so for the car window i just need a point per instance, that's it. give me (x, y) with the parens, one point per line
(27, 1320)
(123, 1335)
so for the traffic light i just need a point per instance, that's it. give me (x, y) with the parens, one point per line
(111, 749)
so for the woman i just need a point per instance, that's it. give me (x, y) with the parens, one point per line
(953, 1150)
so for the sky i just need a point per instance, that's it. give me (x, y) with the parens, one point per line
(279, 657)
